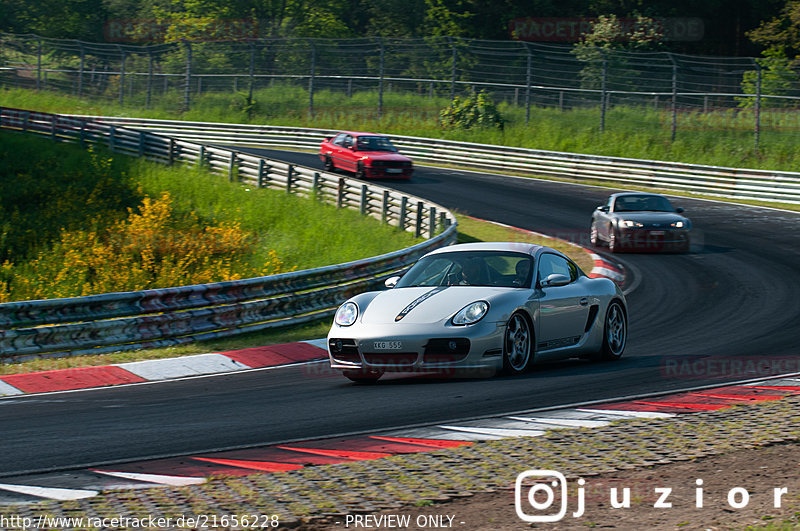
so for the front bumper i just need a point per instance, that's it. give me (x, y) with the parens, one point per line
(462, 351)
(653, 239)
(388, 173)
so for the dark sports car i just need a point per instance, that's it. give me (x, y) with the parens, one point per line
(366, 154)
(640, 221)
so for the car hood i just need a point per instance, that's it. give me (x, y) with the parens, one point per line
(651, 218)
(383, 155)
(423, 305)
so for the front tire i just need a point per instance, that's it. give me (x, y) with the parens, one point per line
(329, 167)
(362, 376)
(615, 332)
(361, 173)
(517, 345)
(613, 241)
(594, 237)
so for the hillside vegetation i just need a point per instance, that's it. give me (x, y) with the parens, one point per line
(77, 222)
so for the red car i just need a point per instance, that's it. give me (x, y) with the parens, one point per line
(366, 154)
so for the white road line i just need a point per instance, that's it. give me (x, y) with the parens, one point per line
(50, 492)
(564, 423)
(495, 432)
(173, 481)
(637, 414)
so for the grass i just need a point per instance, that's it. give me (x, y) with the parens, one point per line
(723, 138)
(70, 191)
(470, 230)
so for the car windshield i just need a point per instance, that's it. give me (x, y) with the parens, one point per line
(471, 268)
(638, 203)
(375, 143)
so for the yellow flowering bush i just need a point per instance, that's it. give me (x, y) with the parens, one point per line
(153, 247)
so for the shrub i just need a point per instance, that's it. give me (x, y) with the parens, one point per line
(474, 111)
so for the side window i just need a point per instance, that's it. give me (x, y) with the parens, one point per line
(339, 140)
(348, 141)
(550, 264)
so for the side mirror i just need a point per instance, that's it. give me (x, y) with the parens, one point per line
(391, 282)
(679, 210)
(555, 280)
(603, 208)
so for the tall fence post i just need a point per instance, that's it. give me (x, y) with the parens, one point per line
(380, 77)
(528, 75)
(674, 126)
(39, 65)
(453, 72)
(149, 79)
(311, 78)
(80, 71)
(252, 74)
(758, 105)
(121, 76)
(603, 85)
(187, 85)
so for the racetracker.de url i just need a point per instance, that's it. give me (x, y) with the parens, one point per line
(201, 521)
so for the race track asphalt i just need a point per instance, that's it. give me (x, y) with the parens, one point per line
(727, 311)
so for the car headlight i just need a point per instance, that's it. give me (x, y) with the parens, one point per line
(678, 225)
(346, 314)
(471, 313)
(629, 223)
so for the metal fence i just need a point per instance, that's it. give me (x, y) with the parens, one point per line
(160, 317)
(764, 185)
(523, 73)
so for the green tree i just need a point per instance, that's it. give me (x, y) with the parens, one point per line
(603, 44)
(780, 59)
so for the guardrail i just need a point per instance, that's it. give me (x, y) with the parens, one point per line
(160, 317)
(735, 183)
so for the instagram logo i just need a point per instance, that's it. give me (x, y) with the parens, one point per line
(537, 504)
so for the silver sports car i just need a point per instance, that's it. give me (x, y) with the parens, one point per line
(640, 220)
(478, 308)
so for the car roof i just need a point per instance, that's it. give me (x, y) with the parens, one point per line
(359, 133)
(622, 194)
(517, 247)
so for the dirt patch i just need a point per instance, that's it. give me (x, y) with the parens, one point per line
(759, 471)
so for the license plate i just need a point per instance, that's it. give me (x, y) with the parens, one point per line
(394, 170)
(387, 345)
(658, 232)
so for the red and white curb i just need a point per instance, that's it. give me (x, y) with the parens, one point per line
(604, 267)
(163, 369)
(194, 469)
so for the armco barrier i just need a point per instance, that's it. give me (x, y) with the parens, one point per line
(764, 185)
(160, 317)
